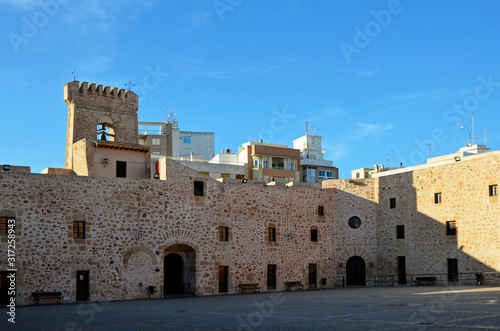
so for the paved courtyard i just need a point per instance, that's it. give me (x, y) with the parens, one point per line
(409, 308)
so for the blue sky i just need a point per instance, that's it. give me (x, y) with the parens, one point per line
(378, 79)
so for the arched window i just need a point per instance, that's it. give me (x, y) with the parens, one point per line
(105, 132)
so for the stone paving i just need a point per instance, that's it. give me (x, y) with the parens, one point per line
(408, 308)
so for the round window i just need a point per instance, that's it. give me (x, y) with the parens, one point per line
(354, 222)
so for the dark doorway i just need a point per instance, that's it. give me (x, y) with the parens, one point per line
(356, 274)
(121, 169)
(82, 285)
(271, 276)
(313, 275)
(452, 270)
(4, 287)
(223, 279)
(173, 282)
(401, 270)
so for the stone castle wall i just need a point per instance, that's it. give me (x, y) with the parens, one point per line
(48, 257)
(464, 186)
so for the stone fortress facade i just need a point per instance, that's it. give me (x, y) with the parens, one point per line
(104, 228)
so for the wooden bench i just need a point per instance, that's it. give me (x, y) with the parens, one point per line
(249, 287)
(290, 285)
(47, 295)
(425, 281)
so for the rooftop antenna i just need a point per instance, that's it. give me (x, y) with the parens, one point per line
(473, 129)
(430, 149)
(129, 85)
(392, 157)
(485, 137)
(309, 131)
(387, 158)
(74, 74)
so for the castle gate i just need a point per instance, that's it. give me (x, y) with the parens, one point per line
(356, 273)
(179, 270)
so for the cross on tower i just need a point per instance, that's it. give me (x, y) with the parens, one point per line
(74, 74)
(129, 85)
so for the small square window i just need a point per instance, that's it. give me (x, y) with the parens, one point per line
(187, 140)
(392, 203)
(451, 228)
(271, 234)
(400, 231)
(314, 235)
(321, 210)
(493, 190)
(198, 188)
(223, 233)
(155, 141)
(79, 229)
(437, 198)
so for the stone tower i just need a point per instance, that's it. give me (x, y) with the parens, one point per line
(102, 132)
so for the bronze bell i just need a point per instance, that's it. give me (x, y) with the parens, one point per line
(103, 136)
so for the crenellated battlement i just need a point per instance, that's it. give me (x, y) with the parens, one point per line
(76, 90)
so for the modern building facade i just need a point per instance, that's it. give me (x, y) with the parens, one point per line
(313, 167)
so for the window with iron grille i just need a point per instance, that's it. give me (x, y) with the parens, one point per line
(314, 235)
(451, 228)
(400, 231)
(4, 225)
(493, 190)
(437, 198)
(79, 229)
(223, 233)
(271, 234)
(392, 203)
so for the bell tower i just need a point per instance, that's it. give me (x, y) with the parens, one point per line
(102, 132)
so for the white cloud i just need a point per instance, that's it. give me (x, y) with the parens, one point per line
(368, 129)
(367, 73)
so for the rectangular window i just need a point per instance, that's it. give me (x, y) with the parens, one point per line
(223, 233)
(290, 166)
(314, 235)
(199, 188)
(79, 229)
(452, 270)
(321, 211)
(271, 234)
(187, 140)
(255, 163)
(323, 174)
(271, 276)
(493, 190)
(5, 225)
(121, 169)
(451, 228)
(223, 279)
(358, 175)
(142, 142)
(400, 231)
(155, 141)
(265, 164)
(437, 198)
(392, 203)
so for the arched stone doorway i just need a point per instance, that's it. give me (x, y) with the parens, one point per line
(179, 265)
(356, 273)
